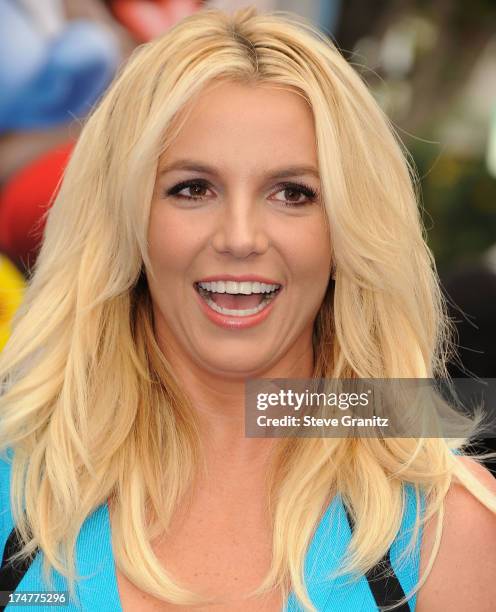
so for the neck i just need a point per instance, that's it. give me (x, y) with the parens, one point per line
(219, 398)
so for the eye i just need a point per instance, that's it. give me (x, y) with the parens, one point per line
(196, 188)
(297, 194)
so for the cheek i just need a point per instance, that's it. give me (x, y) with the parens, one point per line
(172, 240)
(309, 253)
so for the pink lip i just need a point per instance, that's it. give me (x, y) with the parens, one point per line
(242, 277)
(231, 321)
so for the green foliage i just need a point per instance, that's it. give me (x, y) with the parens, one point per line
(459, 198)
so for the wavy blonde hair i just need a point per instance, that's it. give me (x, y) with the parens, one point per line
(90, 404)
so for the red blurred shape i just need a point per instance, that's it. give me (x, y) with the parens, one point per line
(25, 199)
(147, 19)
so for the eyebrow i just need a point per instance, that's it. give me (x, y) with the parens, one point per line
(193, 166)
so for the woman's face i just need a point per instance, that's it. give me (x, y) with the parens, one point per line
(235, 217)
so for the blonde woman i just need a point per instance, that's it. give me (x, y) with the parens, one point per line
(237, 207)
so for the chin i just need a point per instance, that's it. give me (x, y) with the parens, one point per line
(237, 366)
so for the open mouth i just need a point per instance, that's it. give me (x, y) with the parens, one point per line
(240, 299)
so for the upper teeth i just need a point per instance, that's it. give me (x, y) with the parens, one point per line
(234, 287)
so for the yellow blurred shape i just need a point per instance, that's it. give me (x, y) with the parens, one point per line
(12, 286)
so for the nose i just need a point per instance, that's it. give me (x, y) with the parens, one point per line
(240, 229)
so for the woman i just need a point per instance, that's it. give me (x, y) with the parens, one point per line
(235, 157)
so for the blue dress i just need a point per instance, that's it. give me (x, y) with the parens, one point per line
(99, 590)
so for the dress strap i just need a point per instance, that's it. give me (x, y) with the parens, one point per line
(11, 573)
(382, 579)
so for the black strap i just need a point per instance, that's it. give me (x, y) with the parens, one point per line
(383, 582)
(11, 573)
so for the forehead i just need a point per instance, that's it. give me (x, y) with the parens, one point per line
(258, 124)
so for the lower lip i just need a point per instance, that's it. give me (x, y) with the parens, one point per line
(231, 321)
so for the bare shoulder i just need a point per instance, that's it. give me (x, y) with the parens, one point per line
(463, 575)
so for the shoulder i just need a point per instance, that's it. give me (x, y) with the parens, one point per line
(5, 511)
(462, 577)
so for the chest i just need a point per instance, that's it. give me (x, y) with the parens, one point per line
(132, 598)
(216, 549)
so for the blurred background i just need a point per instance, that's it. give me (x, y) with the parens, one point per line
(430, 65)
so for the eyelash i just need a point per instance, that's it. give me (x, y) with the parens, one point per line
(302, 188)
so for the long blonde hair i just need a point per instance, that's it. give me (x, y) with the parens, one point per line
(91, 405)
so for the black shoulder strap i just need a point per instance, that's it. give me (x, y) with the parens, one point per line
(11, 573)
(383, 582)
